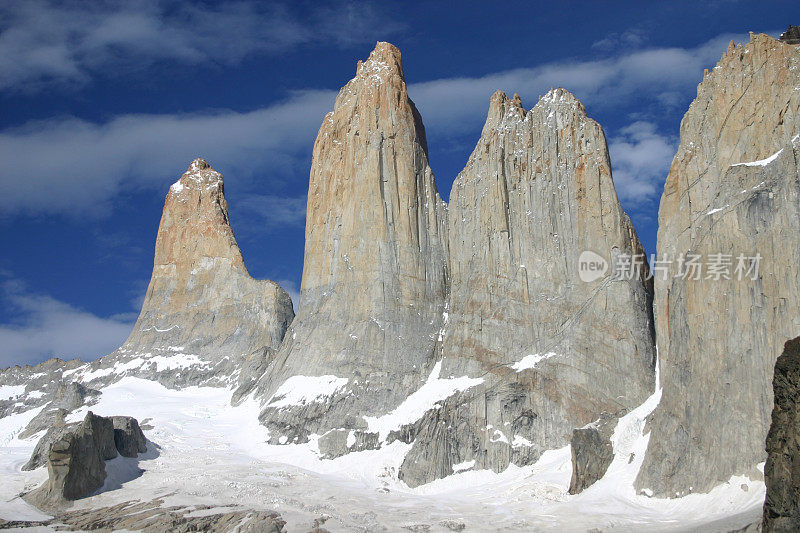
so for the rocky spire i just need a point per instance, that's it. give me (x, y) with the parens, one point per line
(202, 309)
(374, 275)
(547, 351)
(731, 199)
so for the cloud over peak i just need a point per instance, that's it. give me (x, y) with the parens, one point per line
(45, 42)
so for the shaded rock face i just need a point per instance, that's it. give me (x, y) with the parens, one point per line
(733, 188)
(592, 452)
(782, 471)
(791, 36)
(203, 315)
(128, 437)
(76, 456)
(374, 276)
(547, 352)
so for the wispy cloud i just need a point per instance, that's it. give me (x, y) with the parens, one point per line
(45, 42)
(274, 211)
(47, 327)
(73, 166)
(640, 157)
(458, 105)
(77, 167)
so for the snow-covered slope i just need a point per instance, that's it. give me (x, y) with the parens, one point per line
(203, 451)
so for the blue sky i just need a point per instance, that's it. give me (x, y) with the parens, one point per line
(104, 104)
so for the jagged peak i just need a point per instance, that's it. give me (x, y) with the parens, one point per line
(384, 60)
(199, 175)
(383, 68)
(503, 109)
(559, 96)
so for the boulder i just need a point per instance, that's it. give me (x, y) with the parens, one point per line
(592, 452)
(77, 455)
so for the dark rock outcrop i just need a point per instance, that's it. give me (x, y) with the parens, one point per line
(128, 437)
(592, 452)
(782, 471)
(791, 36)
(77, 455)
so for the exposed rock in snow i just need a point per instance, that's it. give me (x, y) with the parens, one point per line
(592, 452)
(76, 462)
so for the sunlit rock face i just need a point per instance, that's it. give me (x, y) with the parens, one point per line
(733, 189)
(203, 318)
(547, 350)
(374, 277)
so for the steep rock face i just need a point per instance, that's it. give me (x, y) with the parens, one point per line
(203, 315)
(733, 189)
(782, 471)
(547, 352)
(374, 276)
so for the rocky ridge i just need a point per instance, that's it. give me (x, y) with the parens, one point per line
(733, 189)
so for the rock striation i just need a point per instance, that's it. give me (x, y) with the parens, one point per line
(546, 351)
(77, 454)
(374, 277)
(782, 471)
(732, 198)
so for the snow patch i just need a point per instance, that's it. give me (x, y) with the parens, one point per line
(530, 361)
(8, 392)
(419, 402)
(303, 390)
(760, 162)
(466, 465)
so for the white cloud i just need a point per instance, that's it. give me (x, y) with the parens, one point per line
(274, 211)
(44, 42)
(458, 105)
(640, 157)
(72, 166)
(46, 328)
(76, 167)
